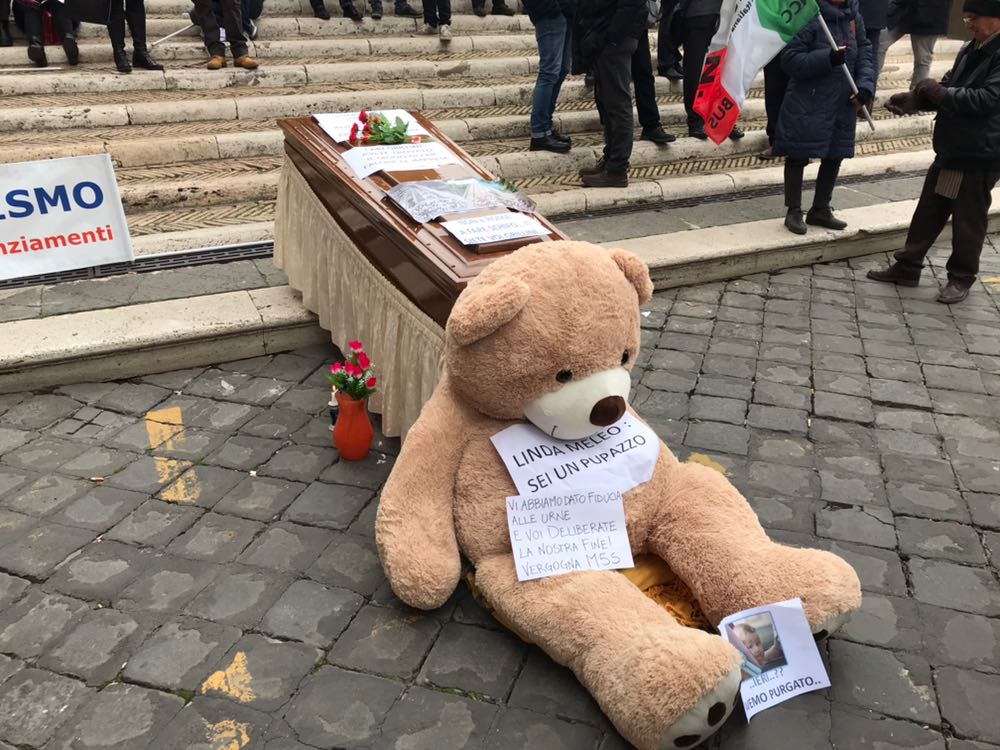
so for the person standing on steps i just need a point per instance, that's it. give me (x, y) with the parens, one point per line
(5, 39)
(819, 113)
(437, 18)
(499, 8)
(132, 12)
(967, 158)
(605, 37)
(668, 52)
(644, 85)
(924, 21)
(233, 13)
(701, 21)
(33, 30)
(346, 6)
(553, 21)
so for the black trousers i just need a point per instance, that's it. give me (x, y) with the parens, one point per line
(775, 84)
(667, 53)
(969, 218)
(33, 20)
(645, 84)
(232, 13)
(698, 33)
(612, 76)
(826, 180)
(4, 11)
(132, 12)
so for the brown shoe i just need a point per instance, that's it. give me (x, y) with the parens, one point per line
(952, 292)
(218, 62)
(599, 167)
(895, 274)
(605, 179)
(246, 62)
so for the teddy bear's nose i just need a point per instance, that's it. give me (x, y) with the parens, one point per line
(607, 411)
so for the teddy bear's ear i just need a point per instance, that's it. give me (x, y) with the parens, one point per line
(636, 272)
(484, 307)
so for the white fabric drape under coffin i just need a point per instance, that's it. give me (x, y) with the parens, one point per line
(354, 301)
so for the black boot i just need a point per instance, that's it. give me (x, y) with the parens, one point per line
(823, 217)
(793, 195)
(500, 9)
(142, 59)
(36, 53)
(71, 49)
(376, 11)
(794, 222)
(116, 30)
(121, 60)
(135, 15)
(5, 40)
(479, 7)
(319, 10)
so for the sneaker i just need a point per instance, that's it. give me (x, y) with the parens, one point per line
(548, 143)
(428, 29)
(444, 31)
(793, 221)
(408, 11)
(657, 135)
(895, 274)
(217, 62)
(246, 62)
(351, 12)
(605, 179)
(952, 292)
(823, 217)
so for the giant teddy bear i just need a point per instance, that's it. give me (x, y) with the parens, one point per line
(549, 334)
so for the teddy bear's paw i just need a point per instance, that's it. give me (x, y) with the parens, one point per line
(830, 626)
(706, 716)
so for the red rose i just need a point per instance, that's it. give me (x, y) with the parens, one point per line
(355, 346)
(363, 116)
(370, 383)
(364, 361)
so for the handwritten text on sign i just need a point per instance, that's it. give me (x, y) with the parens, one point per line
(495, 228)
(619, 457)
(338, 125)
(367, 160)
(560, 533)
(59, 214)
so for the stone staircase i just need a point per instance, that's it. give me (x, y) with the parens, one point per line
(197, 152)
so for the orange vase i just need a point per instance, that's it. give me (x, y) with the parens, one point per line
(353, 433)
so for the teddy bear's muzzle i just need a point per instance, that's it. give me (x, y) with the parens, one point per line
(607, 411)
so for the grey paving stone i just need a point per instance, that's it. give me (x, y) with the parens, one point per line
(317, 433)
(786, 374)
(866, 730)
(331, 506)
(167, 584)
(714, 409)
(261, 673)
(865, 525)
(548, 688)
(99, 509)
(8, 668)
(778, 419)
(960, 587)
(892, 683)
(931, 472)
(46, 454)
(244, 452)
(364, 524)
(13, 526)
(33, 704)
(371, 472)
(36, 621)
(847, 460)
(238, 387)
(385, 641)
(11, 589)
(927, 502)
(837, 344)
(879, 570)
(895, 369)
(337, 708)
(100, 571)
(215, 538)
(473, 660)
(41, 548)
(960, 638)
(800, 723)
(39, 411)
(259, 498)
(429, 719)
(133, 398)
(350, 562)
(154, 524)
(120, 717)
(789, 481)
(900, 393)
(204, 413)
(780, 448)
(287, 547)
(908, 420)
(143, 435)
(12, 479)
(985, 509)
(148, 474)
(739, 367)
(96, 648)
(953, 378)
(291, 366)
(851, 489)
(214, 724)
(275, 424)
(887, 621)
(239, 596)
(779, 394)
(191, 444)
(716, 436)
(949, 541)
(680, 325)
(839, 406)
(828, 432)
(174, 380)
(531, 731)
(977, 475)
(11, 439)
(956, 402)
(311, 613)
(724, 387)
(969, 700)
(670, 359)
(309, 400)
(654, 405)
(790, 514)
(180, 655)
(968, 427)
(45, 495)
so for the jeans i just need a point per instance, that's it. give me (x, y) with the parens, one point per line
(923, 52)
(554, 56)
(437, 13)
(613, 95)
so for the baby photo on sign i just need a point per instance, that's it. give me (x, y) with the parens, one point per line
(757, 640)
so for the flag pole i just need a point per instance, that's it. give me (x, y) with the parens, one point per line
(843, 66)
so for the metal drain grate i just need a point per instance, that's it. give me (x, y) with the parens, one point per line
(149, 263)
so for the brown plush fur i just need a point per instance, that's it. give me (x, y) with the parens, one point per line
(546, 308)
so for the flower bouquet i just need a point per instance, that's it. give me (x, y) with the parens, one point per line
(374, 127)
(355, 376)
(352, 381)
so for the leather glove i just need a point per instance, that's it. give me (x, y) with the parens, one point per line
(837, 56)
(931, 91)
(904, 103)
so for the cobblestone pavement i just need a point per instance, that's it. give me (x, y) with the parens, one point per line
(187, 564)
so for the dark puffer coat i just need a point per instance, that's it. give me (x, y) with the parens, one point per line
(919, 16)
(817, 118)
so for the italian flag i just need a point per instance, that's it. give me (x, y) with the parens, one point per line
(751, 33)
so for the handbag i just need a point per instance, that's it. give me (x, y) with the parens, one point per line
(90, 11)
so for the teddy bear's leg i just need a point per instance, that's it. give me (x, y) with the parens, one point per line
(663, 686)
(708, 534)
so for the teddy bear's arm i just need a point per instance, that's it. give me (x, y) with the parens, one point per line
(415, 529)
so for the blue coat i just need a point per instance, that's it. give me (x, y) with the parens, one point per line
(817, 118)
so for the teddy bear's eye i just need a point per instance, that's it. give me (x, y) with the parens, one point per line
(564, 376)
(625, 357)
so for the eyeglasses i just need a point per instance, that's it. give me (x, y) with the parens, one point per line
(969, 19)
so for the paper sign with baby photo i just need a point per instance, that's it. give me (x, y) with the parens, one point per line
(780, 657)
(618, 457)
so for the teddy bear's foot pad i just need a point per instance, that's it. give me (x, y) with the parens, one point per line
(706, 716)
